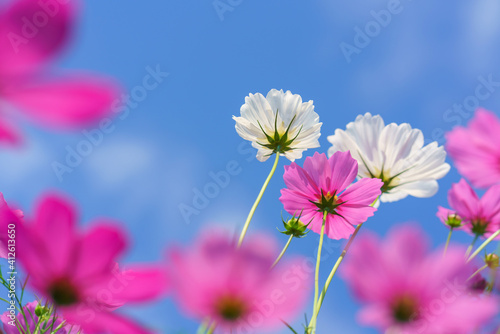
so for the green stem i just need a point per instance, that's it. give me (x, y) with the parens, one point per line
(312, 324)
(257, 201)
(334, 270)
(282, 252)
(211, 329)
(203, 327)
(469, 249)
(484, 244)
(447, 241)
(477, 272)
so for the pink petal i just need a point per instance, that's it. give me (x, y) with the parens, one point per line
(296, 178)
(8, 134)
(66, 102)
(142, 283)
(464, 200)
(475, 150)
(32, 33)
(490, 204)
(55, 229)
(295, 202)
(344, 170)
(362, 193)
(99, 250)
(337, 227)
(317, 167)
(93, 321)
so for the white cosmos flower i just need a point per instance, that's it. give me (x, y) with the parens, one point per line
(394, 153)
(279, 122)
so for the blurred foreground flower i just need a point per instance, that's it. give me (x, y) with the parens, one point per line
(46, 323)
(395, 154)
(32, 32)
(480, 217)
(279, 123)
(77, 272)
(235, 288)
(408, 290)
(323, 186)
(476, 149)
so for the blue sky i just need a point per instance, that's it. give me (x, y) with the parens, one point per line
(425, 58)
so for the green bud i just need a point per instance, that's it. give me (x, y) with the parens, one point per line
(454, 221)
(295, 227)
(41, 311)
(492, 260)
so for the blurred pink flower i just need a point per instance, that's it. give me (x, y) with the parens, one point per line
(7, 217)
(78, 271)
(479, 216)
(450, 218)
(475, 149)
(32, 320)
(33, 32)
(236, 287)
(323, 185)
(407, 289)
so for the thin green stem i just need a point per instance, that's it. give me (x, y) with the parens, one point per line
(211, 329)
(447, 241)
(477, 272)
(469, 249)
(319, 301)
(203, 327)
(484, 244)
(283, 251)
(257, 201)
(312, 324)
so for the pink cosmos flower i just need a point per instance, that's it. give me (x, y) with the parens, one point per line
(475, 149)
(323, 185)
(33, 32)
(407, 289)
(479, 217)
(77, 272)
(50, 322)
(7, 217)
(236, 287)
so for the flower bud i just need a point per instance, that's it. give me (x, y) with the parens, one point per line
(295, 227)
(492, 260)
(42, 311)
(454, 221)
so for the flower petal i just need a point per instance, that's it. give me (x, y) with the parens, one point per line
(66, 102)
(32, 32)
(99, 250)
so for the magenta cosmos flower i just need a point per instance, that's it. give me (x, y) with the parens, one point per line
(323, 185)
(406, 289)
(479, 216)
(475, 149)
(32, 32)
(45, 322)
(236, 287)
(78, 273)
